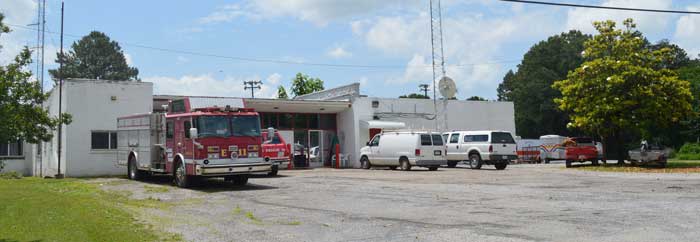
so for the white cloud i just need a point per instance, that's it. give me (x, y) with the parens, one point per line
(338, 52)
(583, 18)
(129, 60)
(226, 14)
(18, 13)
(208, 85)
(472, 43)
(687, 32)
(273, 79)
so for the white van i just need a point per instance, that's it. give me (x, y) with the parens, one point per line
(404, 149)
(476, 148)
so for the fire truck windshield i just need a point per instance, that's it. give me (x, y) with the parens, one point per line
(246, 125)
(208, 126)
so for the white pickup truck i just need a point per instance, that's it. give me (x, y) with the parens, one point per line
(477, 148)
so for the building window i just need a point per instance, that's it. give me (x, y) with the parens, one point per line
(104, 140)
(285, 120)
(328, 121)
(269, 120)
(11, 149)
(301, 121)
(178, 106)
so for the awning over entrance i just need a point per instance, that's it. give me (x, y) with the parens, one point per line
(296, 106)
(378, 124)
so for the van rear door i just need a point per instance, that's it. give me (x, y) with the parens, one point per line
(503, 144)
(432, 147)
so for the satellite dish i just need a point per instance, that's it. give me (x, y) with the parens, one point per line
(447, 87)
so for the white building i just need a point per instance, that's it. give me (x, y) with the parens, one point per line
(312, 120)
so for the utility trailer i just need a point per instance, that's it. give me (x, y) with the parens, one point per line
(193, 144)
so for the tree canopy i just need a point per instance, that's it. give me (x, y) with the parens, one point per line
(282, 93)
(415, 96)
(21, 113)
(95, 56)
(303, 84)
(623, 86)
(530, 87)
(476, 98)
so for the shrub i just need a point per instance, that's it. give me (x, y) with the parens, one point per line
(11, 175)
(689, 151)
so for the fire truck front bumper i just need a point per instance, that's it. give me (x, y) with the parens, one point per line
(233, 169)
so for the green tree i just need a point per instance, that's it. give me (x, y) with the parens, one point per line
(621, 89)
(415, 96)
(21, 114)
(679, 58)
(476, 98)
(282, 93)
(530, 87)
(690, 128)
(303, 84)
(95, 56)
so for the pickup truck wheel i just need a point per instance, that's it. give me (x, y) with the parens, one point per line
(501, 166)
(595, 162)
(240, 180)
(475, 161)
(405, 165)
(181, 177)
(364, 162)
(568, 163)
(451, 163)
(273, 171)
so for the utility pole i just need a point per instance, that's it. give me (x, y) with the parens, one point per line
(424, 89)
(252, 85)
(60, 98)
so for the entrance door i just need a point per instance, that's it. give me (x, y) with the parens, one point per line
(316, 148)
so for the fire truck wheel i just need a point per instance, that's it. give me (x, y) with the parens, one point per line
(133, 172)
(240, 180)
(568, 163)
(274, 170)
(475, 161)
(181, 177)
(364, 162)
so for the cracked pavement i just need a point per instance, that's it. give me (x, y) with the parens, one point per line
(521, 203)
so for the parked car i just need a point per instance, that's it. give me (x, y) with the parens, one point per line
(275, 148)
(477, 148)
(404, 149)
(649, 155)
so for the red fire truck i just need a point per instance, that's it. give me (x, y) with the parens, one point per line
(190, 144)
(275, 149)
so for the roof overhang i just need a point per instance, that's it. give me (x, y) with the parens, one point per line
(379, 124)
(296, 106)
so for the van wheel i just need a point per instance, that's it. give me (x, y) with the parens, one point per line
(405, 165)
(568, 163)
(364, 162)
(501, 166)
(181, 177)
(451, 163)
(433, 168)
(475, 161)
(392, 167)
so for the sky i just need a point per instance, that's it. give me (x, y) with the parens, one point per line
(211, 47)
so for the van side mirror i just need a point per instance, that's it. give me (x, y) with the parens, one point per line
(193, 133)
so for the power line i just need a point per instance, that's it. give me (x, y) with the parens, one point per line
(603, 7)
(274, 61)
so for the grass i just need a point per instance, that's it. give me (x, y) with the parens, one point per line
(673, 166)
(252, 218)
(35, 209)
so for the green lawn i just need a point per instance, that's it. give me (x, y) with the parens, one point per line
(34, 209)
(673, 166)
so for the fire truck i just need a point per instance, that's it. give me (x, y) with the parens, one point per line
(191, 143)
(275, 148)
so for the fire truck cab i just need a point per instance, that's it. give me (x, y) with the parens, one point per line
(193, 144)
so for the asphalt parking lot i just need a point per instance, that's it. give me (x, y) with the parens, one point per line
(521, 203)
